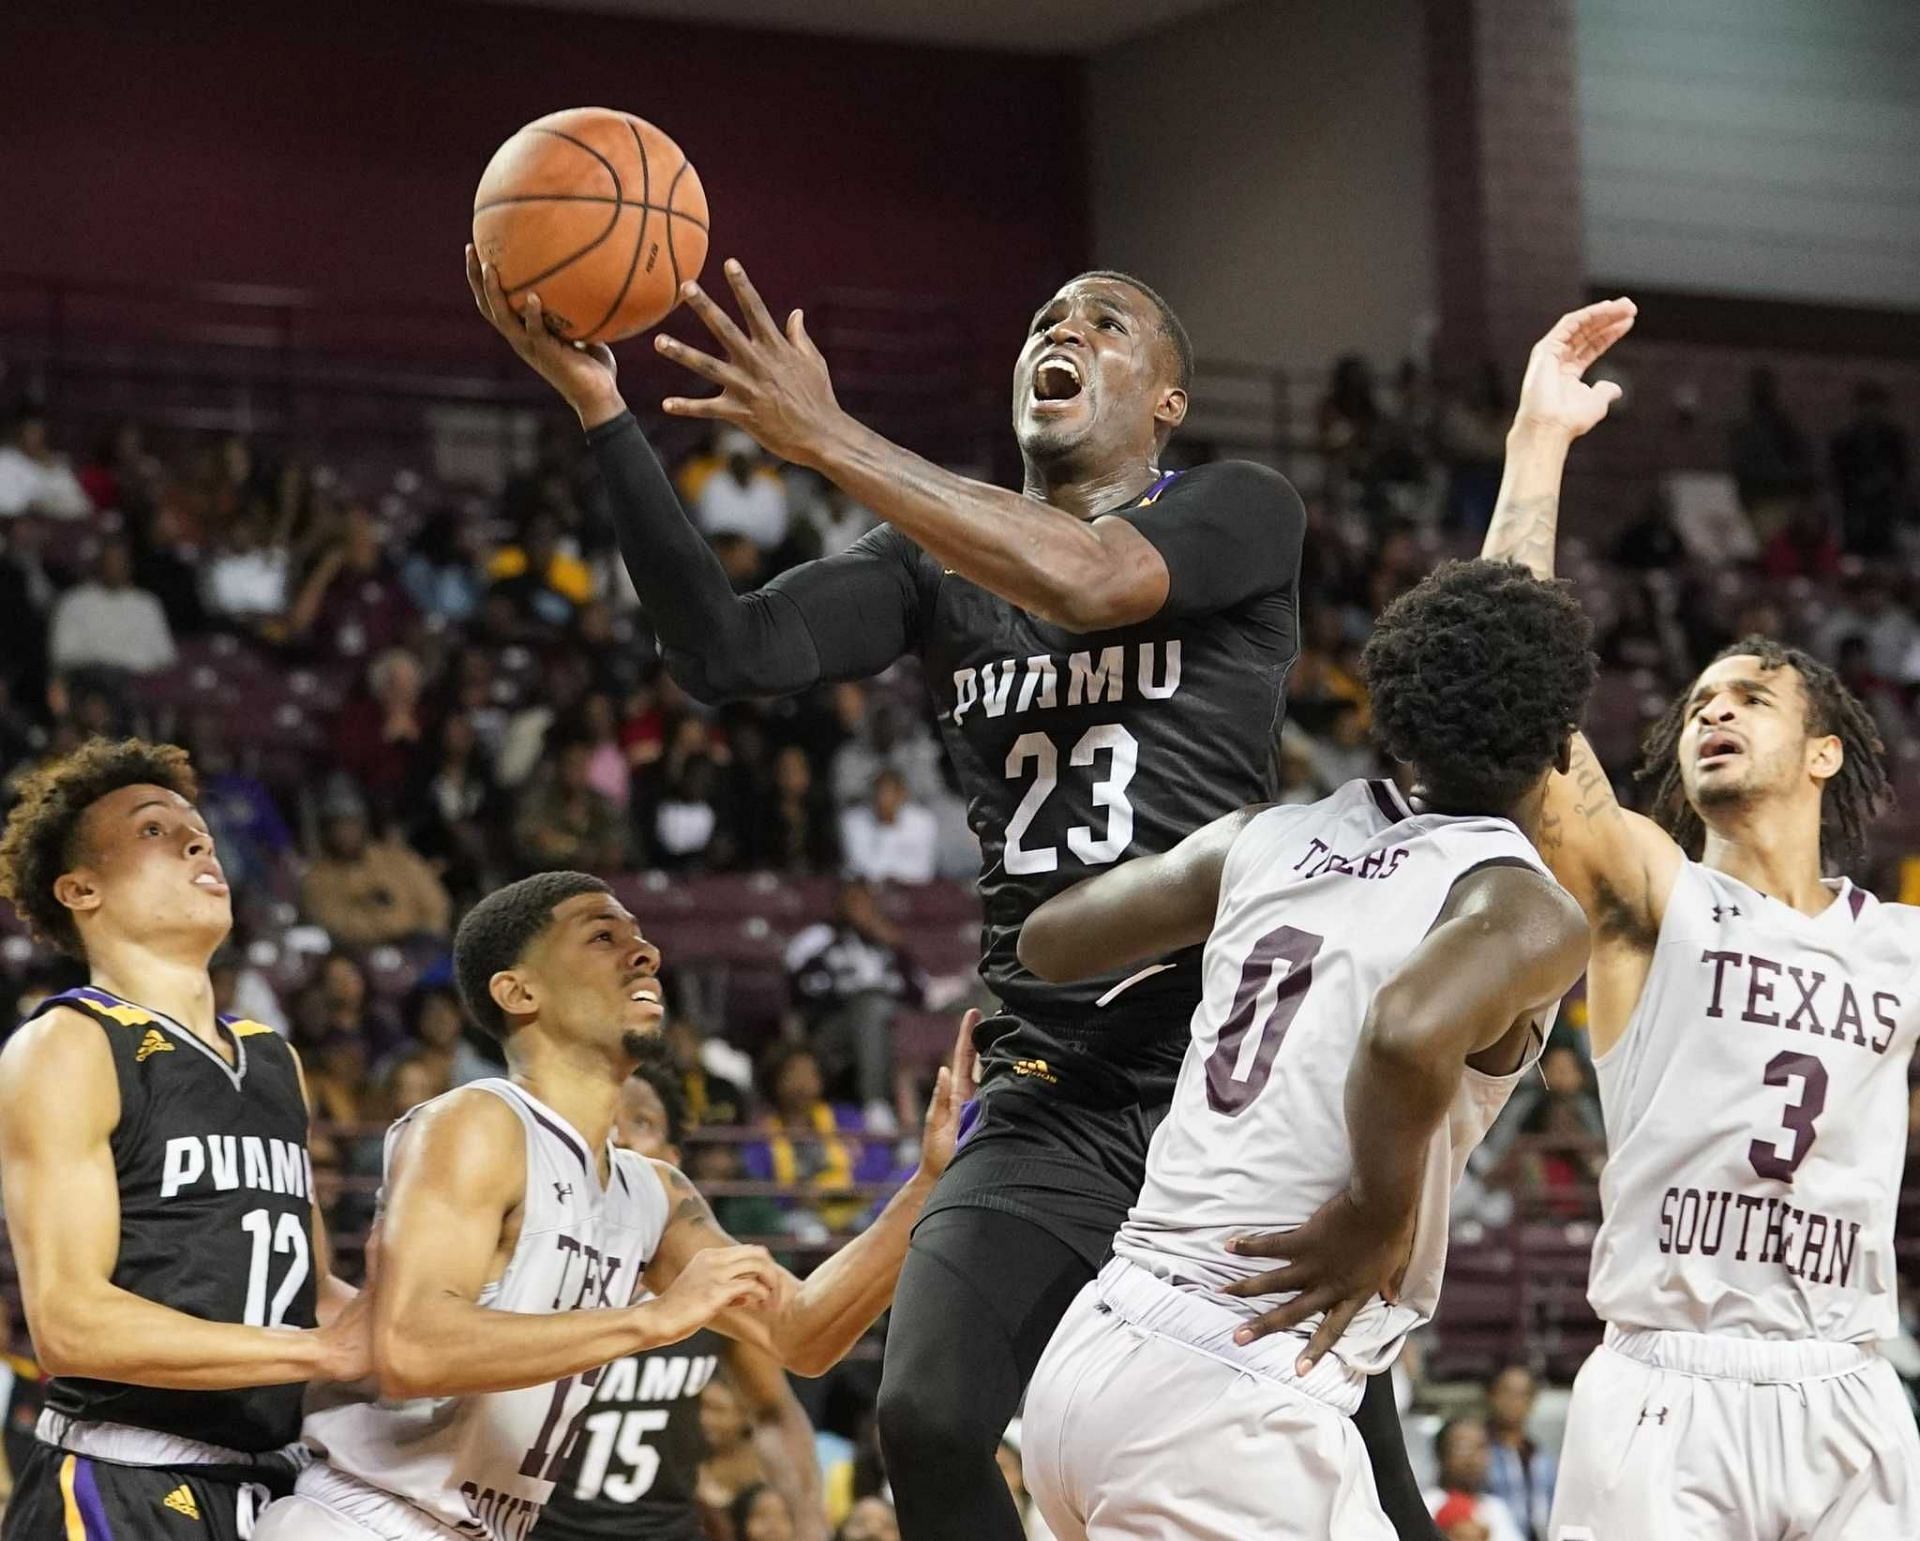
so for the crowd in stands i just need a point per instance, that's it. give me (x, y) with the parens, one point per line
(399, 695)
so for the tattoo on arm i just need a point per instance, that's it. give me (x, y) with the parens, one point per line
(1523, 531)
(688, 1206)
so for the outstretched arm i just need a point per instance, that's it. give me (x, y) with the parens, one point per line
(1137, 911)
(808, 1327)
(1619, 865)
(781, 1435)
(59, 1103)
(457, 1178)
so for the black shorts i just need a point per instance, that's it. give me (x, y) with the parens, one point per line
(1059, 1132)
(59, 1496)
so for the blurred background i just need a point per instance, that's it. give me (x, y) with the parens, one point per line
(269, 488)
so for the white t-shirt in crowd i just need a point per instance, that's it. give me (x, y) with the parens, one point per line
(758, 510)
(98, 627)
(902, 851)
(29, 487)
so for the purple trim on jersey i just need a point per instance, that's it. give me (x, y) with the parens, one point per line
(86, 1493)
(1167, 479)
(566, 1137)
(1384, 800)
(969, 1121)
(1857, 901)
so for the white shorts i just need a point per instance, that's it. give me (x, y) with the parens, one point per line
(328, 1505)
(1677, 1436)
(1129, 1432)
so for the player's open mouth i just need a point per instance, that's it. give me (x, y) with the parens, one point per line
(1056, 378)
(1717, 749)
(213, 882)
(649, 993)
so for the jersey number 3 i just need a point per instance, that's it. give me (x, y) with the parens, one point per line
(1768, 1160)
(1273, 987)
(1110, 792)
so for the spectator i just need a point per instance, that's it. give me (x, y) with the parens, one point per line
(1464, 1459)
(849, 976)
(732, 1465)
(452, 805)
(607, 769)
(761, 1513)
(1521, 1473)
(378, 736)
(1869, 611)
(33, 479)
(1473, 445)
(436, 1035)
(713, 1075)
(1555, 1135)
(1772, 466)
(1871, 467)
(110, 624)
(352, 603)
(364, 892)
(890, 839)
(341, 1096)
(871, 1519)
(1349, 423)
(411, 1080)
(442, 571)
(883, 737)
(168, 567)
(543, 582)
(26, 595)
(240, 811)
(1802, 544)
(244, 580)
(743, 495)
(22, 1393)
(563, 822)
(686, 828)
(837, 520)
(795, 829)
(804, 1146)
(1651, 543)
(120, 474)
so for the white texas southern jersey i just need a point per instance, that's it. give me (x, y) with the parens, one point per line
(484, 1465)
(1319, 906)
(1756, 1111)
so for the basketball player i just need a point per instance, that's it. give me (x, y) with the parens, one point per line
(1380, 973)
(1752, 1023)
(514, 1235)
(637, 1458)
(159, 1197)
(1107, 652)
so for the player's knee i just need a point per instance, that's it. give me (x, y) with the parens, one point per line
(922, 1417)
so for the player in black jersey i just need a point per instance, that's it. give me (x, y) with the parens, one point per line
(1107, 651)
(636, 1460)
(158, 1193)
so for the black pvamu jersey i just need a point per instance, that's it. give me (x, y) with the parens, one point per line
(636, 1458)
(216, 1210)
(1076, 751)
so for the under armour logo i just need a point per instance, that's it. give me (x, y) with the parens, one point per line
(1658, 1416)
(563, 1191)
(1722, 911)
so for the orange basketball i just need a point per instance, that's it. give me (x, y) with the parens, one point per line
(597, 212)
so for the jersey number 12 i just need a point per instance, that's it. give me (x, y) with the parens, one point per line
(269, 1241)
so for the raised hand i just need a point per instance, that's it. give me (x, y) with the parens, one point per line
(773, 383)
(953, 1089)
(584, 373)
(714, 1279)
(1554, 393)
(1337, 1261)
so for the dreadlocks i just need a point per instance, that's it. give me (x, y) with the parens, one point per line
(1850, 799)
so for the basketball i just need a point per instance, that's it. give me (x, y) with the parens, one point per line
(599, 213)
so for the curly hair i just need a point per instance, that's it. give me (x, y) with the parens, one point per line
(658, 1070)
(498, 931)
(1479, 675)
(1855, 794)
(42, 837)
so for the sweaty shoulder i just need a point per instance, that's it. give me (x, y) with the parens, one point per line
(1522, 900)
(1228, 532)
(61, 1047)
(468, 1139)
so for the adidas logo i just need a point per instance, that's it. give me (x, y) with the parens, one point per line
(180, 1500)
(155, 1043)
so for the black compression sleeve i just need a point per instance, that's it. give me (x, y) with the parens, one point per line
(1378, 1421)
(839, 618)
(1227, 532)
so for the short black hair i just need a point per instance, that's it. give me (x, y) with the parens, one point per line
(658, 1070)
(1849, 802)
(1170, 325)
(498, 931)
(1479, 675)
(42, 838)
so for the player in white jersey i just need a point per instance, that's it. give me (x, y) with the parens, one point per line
(1752, 1021)
(514, 1236)
(1379, 971)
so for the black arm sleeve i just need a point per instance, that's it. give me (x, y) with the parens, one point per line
(1378, 1421)
(1227, 532)
(843, 617)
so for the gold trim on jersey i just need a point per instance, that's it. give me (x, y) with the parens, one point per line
(126, 1015)
(76, 1525)
(247, 1028)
